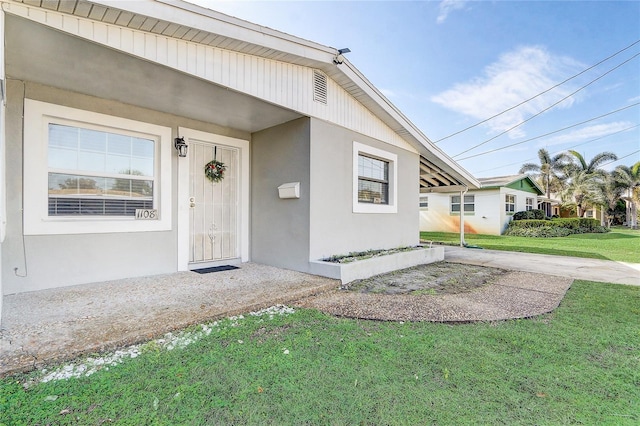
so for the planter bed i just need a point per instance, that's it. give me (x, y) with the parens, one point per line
(365, 268)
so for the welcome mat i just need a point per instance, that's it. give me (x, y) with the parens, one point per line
(215, 269)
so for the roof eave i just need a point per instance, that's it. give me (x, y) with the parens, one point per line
(302, 52)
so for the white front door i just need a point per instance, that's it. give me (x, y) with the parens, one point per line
(213, 217)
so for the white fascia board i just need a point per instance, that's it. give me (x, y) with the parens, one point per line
(200, 18)
(425, 144)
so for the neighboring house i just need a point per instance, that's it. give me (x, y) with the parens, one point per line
(97, 98)
(486, 210)
(593, 212)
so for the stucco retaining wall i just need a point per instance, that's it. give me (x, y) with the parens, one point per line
(361, 269)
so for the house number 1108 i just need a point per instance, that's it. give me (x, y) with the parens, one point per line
(147, 214)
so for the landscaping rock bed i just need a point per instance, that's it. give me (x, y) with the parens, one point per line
(434, 278)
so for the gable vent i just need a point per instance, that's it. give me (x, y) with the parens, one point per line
(319, 87)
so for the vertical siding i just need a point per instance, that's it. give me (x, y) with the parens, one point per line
(277, 82)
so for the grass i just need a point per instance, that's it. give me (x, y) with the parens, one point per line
(578, 365)
(621, 244)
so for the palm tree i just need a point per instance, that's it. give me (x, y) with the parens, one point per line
(629, 177)
(549, 173)
(593, 166)
(609, 192)
(584, 178)
(581, 191)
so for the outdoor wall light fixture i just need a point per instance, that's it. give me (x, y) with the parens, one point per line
(339, 58)
(181, 147)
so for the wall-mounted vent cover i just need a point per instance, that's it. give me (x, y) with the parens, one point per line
(319, 87)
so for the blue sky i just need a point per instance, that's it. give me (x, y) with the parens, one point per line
(450, 64)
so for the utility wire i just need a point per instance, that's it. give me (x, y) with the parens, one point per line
(538, 95)
(547, 134)
(558, 152)
(547, 108)
(615, 161)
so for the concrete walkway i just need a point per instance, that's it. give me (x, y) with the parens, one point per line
(563, 266)
(42, 327)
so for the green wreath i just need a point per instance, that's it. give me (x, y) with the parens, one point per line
(214, 170)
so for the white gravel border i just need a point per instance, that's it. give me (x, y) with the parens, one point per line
(170, 341)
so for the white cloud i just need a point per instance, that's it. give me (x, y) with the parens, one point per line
(516, 76)
(634, 100)
(588, 132)
(448, 6)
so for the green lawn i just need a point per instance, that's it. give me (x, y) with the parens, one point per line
(621, 244)
(578, 365)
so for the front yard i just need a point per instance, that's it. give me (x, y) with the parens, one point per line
(578, 365)
(621, 244)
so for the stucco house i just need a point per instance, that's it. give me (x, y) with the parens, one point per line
(111, 111)
(486, 210)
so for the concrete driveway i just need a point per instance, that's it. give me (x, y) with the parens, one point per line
(563, 266)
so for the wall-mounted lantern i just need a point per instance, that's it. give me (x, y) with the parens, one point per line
(181, 147)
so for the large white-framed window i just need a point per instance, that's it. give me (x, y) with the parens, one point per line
(86, 172)
(469, 204)
(509, 203)
(375, 180)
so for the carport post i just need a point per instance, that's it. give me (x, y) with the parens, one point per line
(462, 193)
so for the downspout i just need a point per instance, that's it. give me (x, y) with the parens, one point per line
(3, 183)
(462, 193)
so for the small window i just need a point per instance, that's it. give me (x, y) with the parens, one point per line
(374, 180)
(469, 204)
(510, 203)
(424, 202)
(529, 204)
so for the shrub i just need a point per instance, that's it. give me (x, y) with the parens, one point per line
(554, 227)
(578, 225)
(539, 232)
(528, 223)
(529, 214)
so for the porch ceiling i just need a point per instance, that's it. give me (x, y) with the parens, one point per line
(432, 177)
(36, 53)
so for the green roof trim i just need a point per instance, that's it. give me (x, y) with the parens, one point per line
(517, 182)
(524, 185)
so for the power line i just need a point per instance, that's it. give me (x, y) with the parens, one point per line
(538, 95)
(550, 133)
(562, 150)
(546, 109)
(615, 161)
